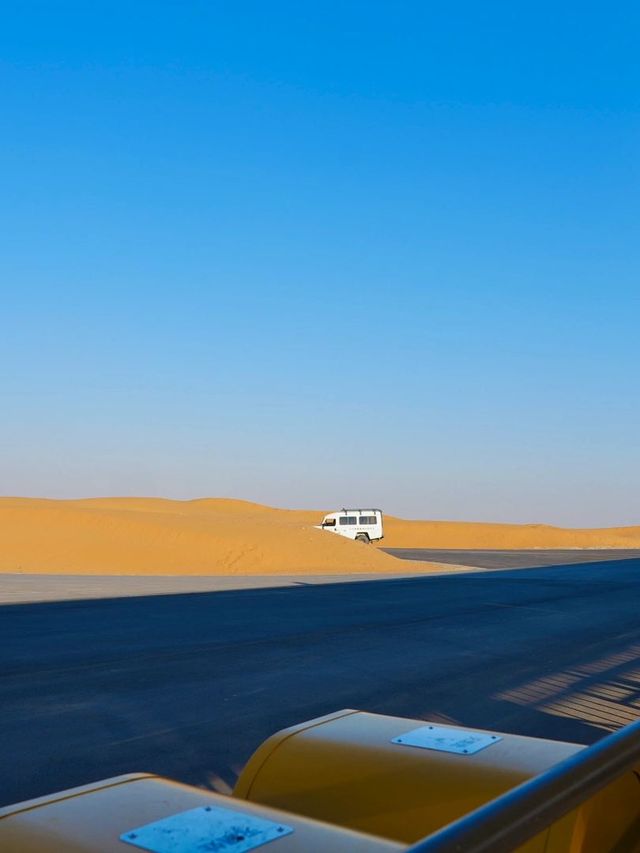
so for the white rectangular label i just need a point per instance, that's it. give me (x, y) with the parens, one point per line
(447, 739)
(208, 829)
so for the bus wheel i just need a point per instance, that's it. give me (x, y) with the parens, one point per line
(363, 537)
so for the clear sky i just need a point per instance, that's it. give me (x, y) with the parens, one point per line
(316, 254)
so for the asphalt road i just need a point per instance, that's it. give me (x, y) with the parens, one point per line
(188, 685)
(513, 559)
(26, 588)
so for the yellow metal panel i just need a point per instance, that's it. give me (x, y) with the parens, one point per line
(92, 818)
(344, 769)
(607, 823)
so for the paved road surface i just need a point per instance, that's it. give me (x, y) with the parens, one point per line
(188, 685)
(23, 588)
(27, 588)
(513, 559)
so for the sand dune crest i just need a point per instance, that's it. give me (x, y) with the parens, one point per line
(154, 536)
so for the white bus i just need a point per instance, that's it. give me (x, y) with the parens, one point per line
(364, 525)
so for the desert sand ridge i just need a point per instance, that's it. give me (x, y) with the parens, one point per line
(209, 536)
(140, 536)
(482, 535)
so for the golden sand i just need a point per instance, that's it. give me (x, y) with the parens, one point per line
(152, 536)
(147, 536)
(477, 536)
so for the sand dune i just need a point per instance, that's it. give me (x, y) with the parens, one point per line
(160, 537)
(152, 536)
(458, 534)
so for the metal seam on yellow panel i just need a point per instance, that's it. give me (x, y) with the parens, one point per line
(301, 727)
(79, 791)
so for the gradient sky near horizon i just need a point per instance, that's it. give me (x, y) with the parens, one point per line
(323, 254)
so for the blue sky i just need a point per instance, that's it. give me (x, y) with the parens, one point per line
(320, 254)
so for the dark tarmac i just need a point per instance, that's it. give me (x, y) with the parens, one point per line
(187, 685)
(513, 559)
